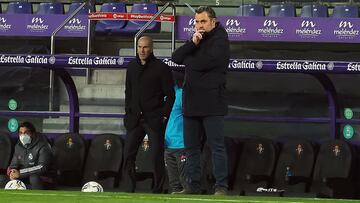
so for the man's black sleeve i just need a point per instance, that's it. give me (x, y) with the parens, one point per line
(167, 84)
(182, 52)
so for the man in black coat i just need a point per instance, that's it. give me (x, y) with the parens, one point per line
(149, 96)
(206, 57)
(32, 157)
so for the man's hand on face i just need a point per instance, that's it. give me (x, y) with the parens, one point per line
(197, 36)
(14, 174)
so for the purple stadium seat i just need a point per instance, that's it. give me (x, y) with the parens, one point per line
(282, 10)
(19, 7)
(111, 25)
(50, 8)
(104, 159)
(333, 171)
(75, 5)
(251, 10)
(346, 11)
(69, 157)
(314, 10)
(133, 26)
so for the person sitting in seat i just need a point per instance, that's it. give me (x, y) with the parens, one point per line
(32, 157)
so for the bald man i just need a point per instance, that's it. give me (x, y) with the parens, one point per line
(149, 96)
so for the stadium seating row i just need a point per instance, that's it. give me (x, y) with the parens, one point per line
(77, 161)
(102, 26)
(294, 168)
(308, 10)
(276, 10)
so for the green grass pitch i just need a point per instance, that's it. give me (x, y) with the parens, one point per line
(33, 196)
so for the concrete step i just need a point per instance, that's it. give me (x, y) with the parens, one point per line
(101, 76)
(87, 125)
(157, 52)
(93, 92)
(108, 77)
(102, 92)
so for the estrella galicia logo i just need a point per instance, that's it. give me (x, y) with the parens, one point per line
(3, 25)
(346, 30)
(120, 61)
(233, 27)
(38, 24)
(172, 64)
(307, 29)
(330, 66)
(52, 60)
(271, 28)
(75, 25)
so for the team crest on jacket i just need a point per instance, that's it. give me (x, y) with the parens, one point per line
(299, 149)
(30, 156)
(145, 145)
(107, 145)
(260, 149)
(336, 150)
(183, 158)
(69, 143)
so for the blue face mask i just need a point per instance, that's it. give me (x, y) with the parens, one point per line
(25, 139)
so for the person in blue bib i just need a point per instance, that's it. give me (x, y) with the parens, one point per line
(175, 156)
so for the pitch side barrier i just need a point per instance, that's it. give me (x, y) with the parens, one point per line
(59, 63)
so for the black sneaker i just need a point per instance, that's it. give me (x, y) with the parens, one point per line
(186, 192)
(221, 191)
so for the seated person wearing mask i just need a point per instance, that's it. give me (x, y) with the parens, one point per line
(32, 157)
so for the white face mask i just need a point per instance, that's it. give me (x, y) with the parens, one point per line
(25, 139)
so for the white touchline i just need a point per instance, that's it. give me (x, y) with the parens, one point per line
(169, 198)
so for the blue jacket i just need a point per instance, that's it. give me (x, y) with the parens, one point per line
(174, 134)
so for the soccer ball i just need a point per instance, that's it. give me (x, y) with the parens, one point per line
(92, 186)
(15, 185)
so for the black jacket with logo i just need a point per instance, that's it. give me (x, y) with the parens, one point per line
(32, 159)
(149, 92)
(205, 73)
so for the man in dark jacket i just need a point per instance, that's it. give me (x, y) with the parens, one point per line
(206, 57)
(149, 96)
(32, 157)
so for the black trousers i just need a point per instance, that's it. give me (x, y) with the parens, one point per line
(133, 140)
(175, 160)
(193, 130)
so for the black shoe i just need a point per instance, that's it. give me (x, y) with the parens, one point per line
(186, 192)
(221, 191)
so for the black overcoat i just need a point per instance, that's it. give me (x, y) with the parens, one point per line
(149, 92)
(205, 73)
